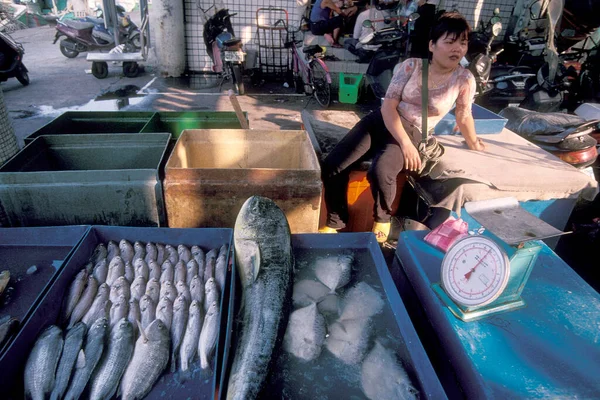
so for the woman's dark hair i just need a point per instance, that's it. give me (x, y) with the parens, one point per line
(451, 23)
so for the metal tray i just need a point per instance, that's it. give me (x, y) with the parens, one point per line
(199, 386)
(46, 248)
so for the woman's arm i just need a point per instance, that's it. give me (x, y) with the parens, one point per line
(391, 118)
(331, 5)
(464, 117)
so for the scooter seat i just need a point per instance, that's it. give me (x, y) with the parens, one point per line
(79, 25)
(232, 42)
(312, 49)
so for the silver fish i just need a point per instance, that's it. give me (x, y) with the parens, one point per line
(42, 362)
(113, 250)
(129, 272)
(8, 325)
(197, 289)
(85, 301)
(127, 250)
(119, 310)
(150, 357)
(116, 268)
(167, 272)
(211, 293)
(139, 249)
(184, 253)
(74, 293)
(189, 345)
(209, 334)
(151, 252)
(167, 289)
(164, 311)
(265, 266)
(192, 270)
(88, 358)
(178, 325)
(348, 340)
(334, 271)
(221, 268)
(99, 253)
(155, 270)
(180, 272)
(182, 289)
(134, 315)
(161, 253)
(141, 269)
(361, 301)
(138, 288)
(148, 310)
(171, 254)
(101, 270)
(305, 333)
(100, 306)
(71, 348)
(200, 257)
(153, 290)
(114, 361)
(120, 287)
(209, 267)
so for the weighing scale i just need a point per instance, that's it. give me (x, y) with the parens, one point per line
(482, 275)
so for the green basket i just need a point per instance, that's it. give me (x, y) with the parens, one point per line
(349, 87)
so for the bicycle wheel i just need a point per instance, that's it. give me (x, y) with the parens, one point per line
(321, 88)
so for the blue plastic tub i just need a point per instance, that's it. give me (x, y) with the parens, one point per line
(201, 385)
(486, 122)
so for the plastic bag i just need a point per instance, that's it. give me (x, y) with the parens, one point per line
(444, 236)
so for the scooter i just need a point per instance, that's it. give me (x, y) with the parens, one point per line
(85, 35)
(224, 49)
(11, 60)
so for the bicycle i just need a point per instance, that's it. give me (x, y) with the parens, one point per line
(310, 74)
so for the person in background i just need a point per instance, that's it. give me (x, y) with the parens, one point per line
(392, 134)
(322, 22)
(365, 51)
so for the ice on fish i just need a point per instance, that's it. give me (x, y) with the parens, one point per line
(305, 333)
(334, 271)
(348, 340)
(307, 292)
(361, 301)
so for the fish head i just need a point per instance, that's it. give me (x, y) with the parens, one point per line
(180, 302)
(210, 285)
(166, 264)
(181, 249)
(195, 308)
(157, 331)
(145, 301)
(213, 308)
(121, 328)
(138, 246)
(124, 245)
(192, 264)
(99, 324)
(196, 250)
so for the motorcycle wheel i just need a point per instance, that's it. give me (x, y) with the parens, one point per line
(131, 69)
(136, 41)
(22, 76)
(100, 69)
(68, 52)
(238, 83)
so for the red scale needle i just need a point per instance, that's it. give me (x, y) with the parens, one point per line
(468, 274)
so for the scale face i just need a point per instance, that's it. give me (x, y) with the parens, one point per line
(475, 271)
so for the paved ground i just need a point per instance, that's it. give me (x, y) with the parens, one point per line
(59, 84)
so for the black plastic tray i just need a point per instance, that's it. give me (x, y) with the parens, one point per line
(200, 385)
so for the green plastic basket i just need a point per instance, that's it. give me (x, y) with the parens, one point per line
(349, 87)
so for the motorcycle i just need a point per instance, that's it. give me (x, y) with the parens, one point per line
(224, 49)
(11, 60)
(90, 34)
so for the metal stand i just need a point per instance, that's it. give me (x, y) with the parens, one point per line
(273, 56)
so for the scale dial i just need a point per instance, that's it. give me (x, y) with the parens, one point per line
(475, 271)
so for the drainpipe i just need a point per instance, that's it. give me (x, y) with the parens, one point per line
(168, 38)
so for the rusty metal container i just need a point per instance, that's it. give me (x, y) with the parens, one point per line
(211, 172)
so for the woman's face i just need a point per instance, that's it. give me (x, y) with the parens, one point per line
(449, 49)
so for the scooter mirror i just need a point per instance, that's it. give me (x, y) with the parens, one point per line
(413, 17)
(497, 28)
(367, 23)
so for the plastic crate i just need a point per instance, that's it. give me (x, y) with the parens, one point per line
(349, 87)
(486, 122)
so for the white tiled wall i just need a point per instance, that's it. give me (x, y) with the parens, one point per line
(245, 26)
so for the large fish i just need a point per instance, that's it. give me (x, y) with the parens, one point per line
(71, 348)
(150, 357)
(305, 333)
(108, 373)
(265, 265)
(41, 364)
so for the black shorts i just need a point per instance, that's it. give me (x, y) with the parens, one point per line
(323, 27)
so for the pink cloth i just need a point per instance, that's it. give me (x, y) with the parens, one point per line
(444, 236)
(406, 86)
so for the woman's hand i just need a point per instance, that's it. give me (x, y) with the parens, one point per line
(412, 158)
(478, 145)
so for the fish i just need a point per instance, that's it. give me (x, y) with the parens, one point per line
(151, 252)
(189, 344)
(171, 254)
(167, 289)
(99, 253)
(74, 293)
(153, 290)
(192, 270)
(197, 289)
(200, 257)
(160, 253)
(305, 333)
(209, 266)
(115, 359)
(348, 340)
(178, 326)
(116, 269)
(4, 279)
(150, 357)
(334, 271)
(88, 358)
(118, 310)
(221, 268)
(180, 272)
(154, 270)
(84, 302)
(129, 272)
(134, 315)
(182, 289)
(139, 250)
(307, 292)
(120, 287)
(211, 293)
(100, 306)
(127, 251)
(382, 378)
(8, 325)
(167, 272)
(112, 250)
(148, 311)
(72, 345)
(265, 266)
(100, 270)
(361, 301)
(140, 268)
(138, 288)
(209, 334)
(184, 253)
(164, 311)
(41, 363)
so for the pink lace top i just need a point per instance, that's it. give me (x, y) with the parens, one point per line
(459, 88)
